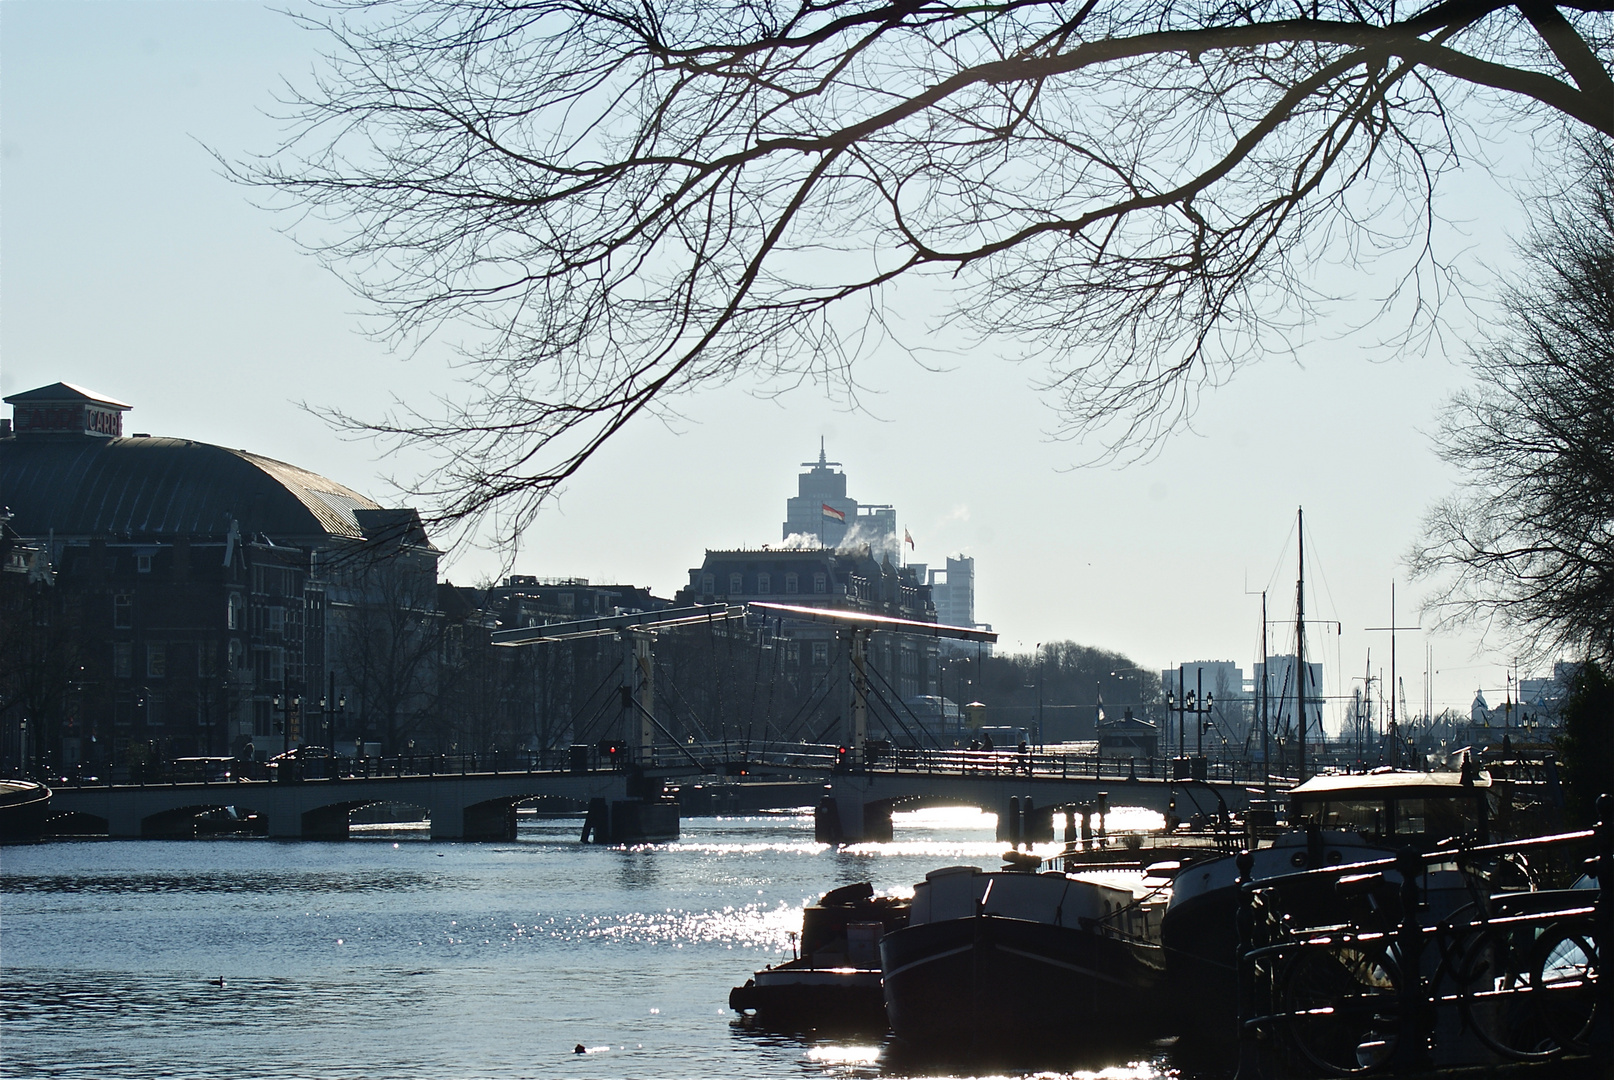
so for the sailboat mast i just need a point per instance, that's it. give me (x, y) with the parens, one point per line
(1300, 647)
(1395, 734)
(1266, 727)
(1365, 721)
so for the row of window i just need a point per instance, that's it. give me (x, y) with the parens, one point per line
(269, 663)
(155, 660)
(764, 583)
(273, 618)
(277, 581)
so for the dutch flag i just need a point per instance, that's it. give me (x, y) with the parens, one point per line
(832, 514)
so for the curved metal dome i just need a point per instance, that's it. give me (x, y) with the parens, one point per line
(148, 487)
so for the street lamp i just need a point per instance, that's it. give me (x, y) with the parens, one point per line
(1040, 660)
(1205, 721)
(331, 716)
(285, 705)
(1200, 705)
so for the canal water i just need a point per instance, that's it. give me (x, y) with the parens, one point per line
(392, 956)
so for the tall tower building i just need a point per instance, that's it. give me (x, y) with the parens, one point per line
(821, 510)
(954, 591)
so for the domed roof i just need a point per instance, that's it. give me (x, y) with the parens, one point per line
(82, 485)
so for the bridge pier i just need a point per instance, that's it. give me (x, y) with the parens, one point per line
(1022, 821)
(177, 825)
(856, 806)
(125, 826)
(326, 823)
(848, 815)
(495, 821)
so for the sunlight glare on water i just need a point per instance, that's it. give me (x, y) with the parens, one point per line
(395, 956)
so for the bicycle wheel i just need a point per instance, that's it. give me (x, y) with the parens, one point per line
(1342, 1007)
(1564, 971)
(1496, 996)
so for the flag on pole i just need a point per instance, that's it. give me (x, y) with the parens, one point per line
(832, 514)
(908, 536)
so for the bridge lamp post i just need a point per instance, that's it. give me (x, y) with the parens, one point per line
(1200, 708)
(1040, 659)
(1178, 707)
(284, 704)
(332, 710)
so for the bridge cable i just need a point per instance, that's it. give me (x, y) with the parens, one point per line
(579, 731)
(935, 742)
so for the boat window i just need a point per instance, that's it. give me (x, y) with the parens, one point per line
(1438, 818)
(1352, 815)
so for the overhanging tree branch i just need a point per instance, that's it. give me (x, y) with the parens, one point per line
(619, 203)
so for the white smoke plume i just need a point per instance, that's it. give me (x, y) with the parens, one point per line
(880, 545)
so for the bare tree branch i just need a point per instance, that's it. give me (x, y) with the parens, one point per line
(1527, 541)
(620, 203)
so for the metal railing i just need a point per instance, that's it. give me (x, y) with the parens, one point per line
(1391, 989)
(715, 758)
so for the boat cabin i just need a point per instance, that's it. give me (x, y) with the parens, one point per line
(1404, 808)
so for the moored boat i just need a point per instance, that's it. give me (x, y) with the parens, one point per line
(23, 808)
(834, 980)
(1019, 960)
(1339, 820)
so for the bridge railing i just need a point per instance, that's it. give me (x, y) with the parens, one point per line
(1047, 764)
(731, 758)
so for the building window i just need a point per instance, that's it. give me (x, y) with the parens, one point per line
(793, 652)
(122, 660)
(764, 584)
(235, 614)
(143, 564)
(736, 584)
(156, 661)
(792, 584)
(277, 665)
(708, 584)
(153, 709)
(820, 582)
(277, 620)
(237, 654)
(820, 653)
(122, 611)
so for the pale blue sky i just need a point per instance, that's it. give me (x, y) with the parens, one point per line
(128, 264)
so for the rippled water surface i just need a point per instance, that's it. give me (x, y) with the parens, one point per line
(392, 956)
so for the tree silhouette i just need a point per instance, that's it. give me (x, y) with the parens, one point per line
(621, 202)
(1526, 541)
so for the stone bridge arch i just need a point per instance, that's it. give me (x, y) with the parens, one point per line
(858, 806)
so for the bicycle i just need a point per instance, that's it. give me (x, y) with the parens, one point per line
(1518, 972)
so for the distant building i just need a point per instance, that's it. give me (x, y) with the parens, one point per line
(1541, 700)
(1222, 678)
(205, 598)
(821, 510)
(525, 600)
(848, 579)
(1278, 676)
(953, 589)
(1128, 736)
(1222, 681)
